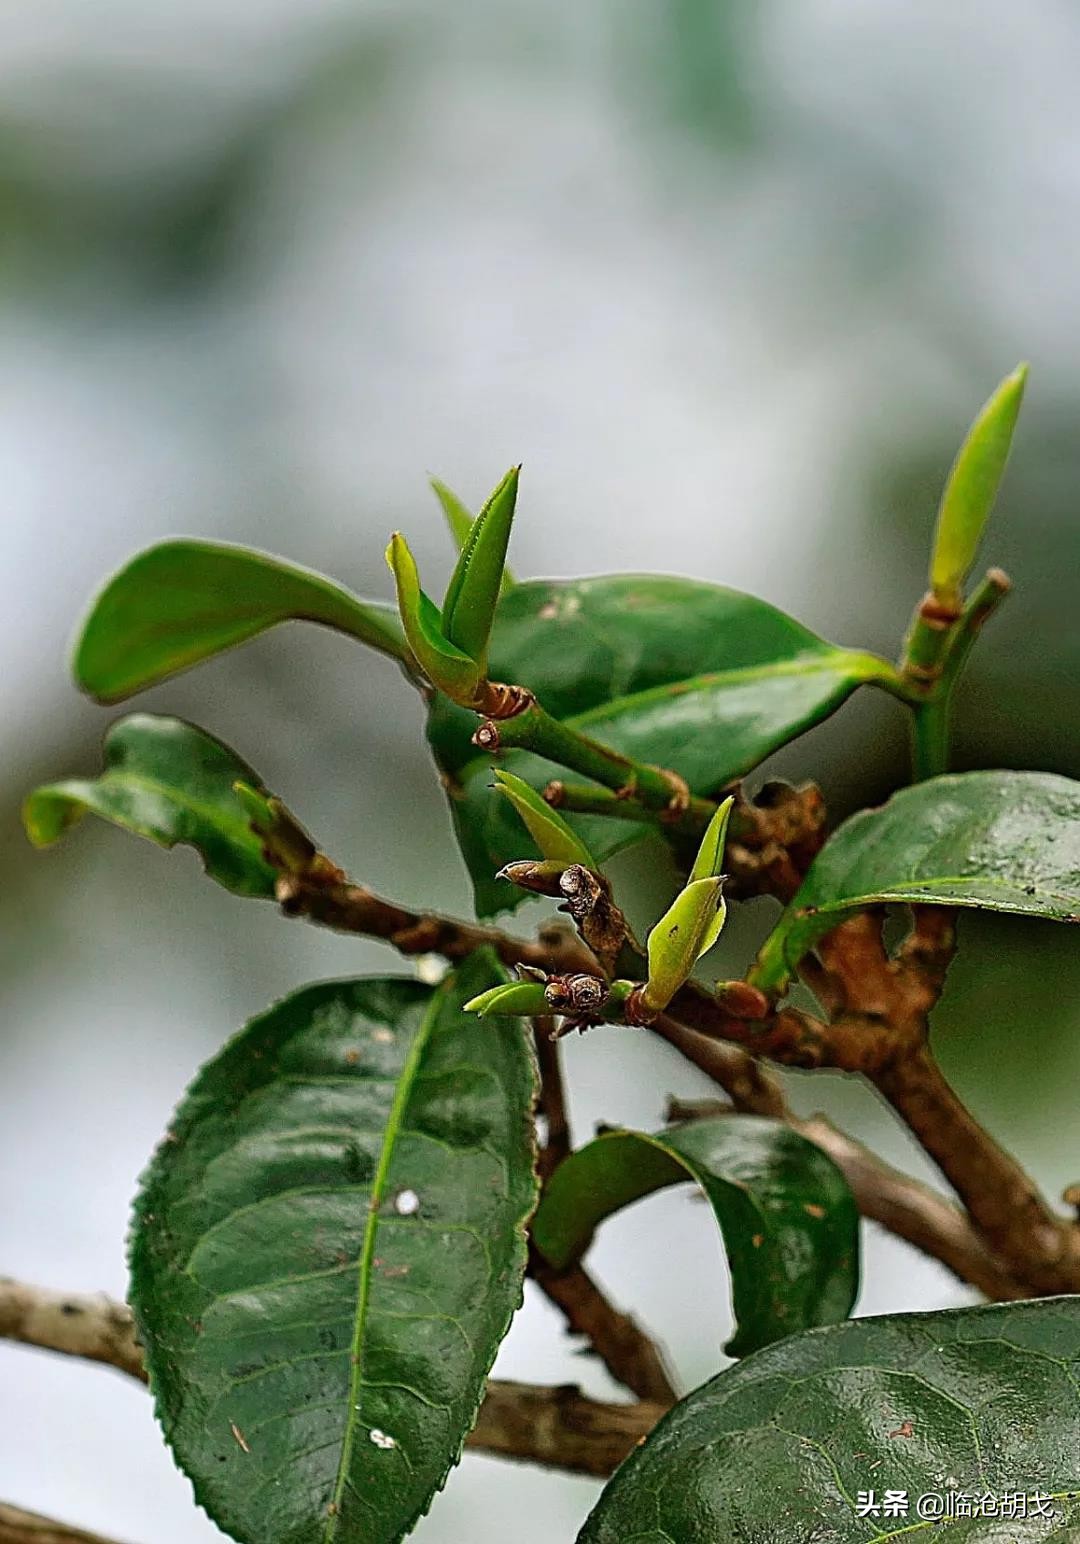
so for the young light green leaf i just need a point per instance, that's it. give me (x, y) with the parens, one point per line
(460, 520)
(970, 1402)
(447, 667)
(994, 841)
(473, 592)
(173, 783)
(182, 602)
(972, 487)
(686, 931)
(555, 839)
(516, 998)
(327, 1251)
(790, 1223)
(671, 672)
(709, 862)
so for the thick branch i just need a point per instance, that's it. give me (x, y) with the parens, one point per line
(94, 1327)
(910, 1210)
(555, 1426)
(1004, 1203)
(19, 1527)
(560, 1428)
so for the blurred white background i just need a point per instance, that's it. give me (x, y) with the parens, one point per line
(730, 279)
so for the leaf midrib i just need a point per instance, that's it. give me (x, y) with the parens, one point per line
(215, 814)
(867, 667)
(367, 1253)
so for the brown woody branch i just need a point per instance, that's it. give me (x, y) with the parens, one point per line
(96, 1327)
(19, 1527)
(627, 1351)
(559, 1427)
(877, 1025)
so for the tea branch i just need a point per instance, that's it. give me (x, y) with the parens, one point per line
(559, 1427)
(532, 728)
(877, 1026)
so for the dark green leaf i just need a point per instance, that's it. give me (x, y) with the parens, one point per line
(171, 782)
(789, 1221)
(996, 841)
(976, 1401)
(669, 671)
(185, 601)
(328, 1248)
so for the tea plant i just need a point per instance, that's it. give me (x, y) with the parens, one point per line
(331, 1240)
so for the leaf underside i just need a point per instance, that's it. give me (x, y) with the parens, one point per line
(993, 841)
(789, 1221)
(168, 781)
(327, 1251)
(673, 672)
(975, 1401)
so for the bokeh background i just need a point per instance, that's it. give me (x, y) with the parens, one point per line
(730, 278)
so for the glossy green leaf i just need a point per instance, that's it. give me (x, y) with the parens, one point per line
(710, 858)
(473, 592)
(972, 486)
(173, 783)
(555, 839)
(687, 930)
(185, 601)
(972, 1403)
(789, 1221)
(459, 518)
(670, 671)
(510, 997)
(446, 666)
(327, 1251)
(995, 841)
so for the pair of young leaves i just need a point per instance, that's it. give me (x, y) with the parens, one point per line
(450, 645)
(687, 930)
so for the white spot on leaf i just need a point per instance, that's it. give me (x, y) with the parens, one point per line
(407, 1203)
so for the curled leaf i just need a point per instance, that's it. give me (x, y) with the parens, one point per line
(448, 668)
(174, 784)
(473, 592)
(686, 931)
(972, 487)
(555, 839)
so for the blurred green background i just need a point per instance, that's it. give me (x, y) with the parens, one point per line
(730, 279)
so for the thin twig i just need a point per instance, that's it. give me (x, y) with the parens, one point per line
(552, 1098)
(628, 1353)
